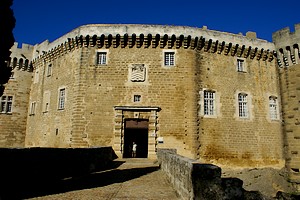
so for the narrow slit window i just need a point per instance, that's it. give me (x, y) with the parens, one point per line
(273, 108)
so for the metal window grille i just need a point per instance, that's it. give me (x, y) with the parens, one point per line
(136, 98)
(101, 58)
(273, 107)
(209, 103)
(169, 58)
(6, 104)
(243, 105)
(61, 100)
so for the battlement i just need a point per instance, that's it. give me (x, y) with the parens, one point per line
(286, 43)
(21, 57)
(156, 36)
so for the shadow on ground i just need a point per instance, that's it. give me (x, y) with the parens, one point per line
(22, 189)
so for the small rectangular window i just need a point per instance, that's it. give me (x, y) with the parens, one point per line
(169, 58)
(32, 108)
(209, 102)
(243, 105)
(273, 108)
(49, 70)
(101, 58)
(240, 65)
(36, 77)
(6, 104)
(61, 99)
(136, 98)
(46, 101)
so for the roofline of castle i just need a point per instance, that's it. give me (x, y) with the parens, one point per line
(121, 29)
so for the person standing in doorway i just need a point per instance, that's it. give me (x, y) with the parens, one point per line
(134, 146)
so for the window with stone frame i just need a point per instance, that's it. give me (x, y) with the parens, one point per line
(209, 102)
(61, 98)
(240, 65)
(6, 104)
(273, 108)
(49, 70)
(46, 101)
(169, 58)
(137, 98)
(243, 105)
(101, 58)
(32, 108)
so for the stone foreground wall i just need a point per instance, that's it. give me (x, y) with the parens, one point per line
(193, 180)
(42, 167)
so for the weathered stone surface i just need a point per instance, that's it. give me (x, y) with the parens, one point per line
(99, 98)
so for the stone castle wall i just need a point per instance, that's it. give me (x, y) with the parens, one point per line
(288, 56)
(100, 98)
(13, 123)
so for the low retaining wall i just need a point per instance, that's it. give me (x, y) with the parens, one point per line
(53, 162)
(22, 166)
(193, 180)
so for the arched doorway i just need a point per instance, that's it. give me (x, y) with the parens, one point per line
(136, 130)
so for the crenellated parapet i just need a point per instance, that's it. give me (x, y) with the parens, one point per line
(287, 46)
(20, 58)
(141, 36)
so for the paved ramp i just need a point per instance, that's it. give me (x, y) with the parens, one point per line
(131, 179)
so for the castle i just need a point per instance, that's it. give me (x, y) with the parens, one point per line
(218, 97)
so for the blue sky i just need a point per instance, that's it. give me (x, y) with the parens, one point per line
(38, 20)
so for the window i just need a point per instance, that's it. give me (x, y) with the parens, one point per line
(49, 70)
(46, 101)
(243, 105)
(61, 99)
(240, 65)
(6, 104)
(209, 102)
(136, 98)
(101, 58)
(36, 76)
(169, 58)
(32, 108)
(273, 107)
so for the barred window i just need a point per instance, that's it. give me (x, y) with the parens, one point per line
(6, 104)
(137, 98)
(169, 58)
(101, 58)
(209, 102)
(243, 105)
(61, 99)
(273, 107)
(240, 65)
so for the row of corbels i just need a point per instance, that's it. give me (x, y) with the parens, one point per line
(155, 41)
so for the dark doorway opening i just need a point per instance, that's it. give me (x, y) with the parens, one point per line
(136, 130)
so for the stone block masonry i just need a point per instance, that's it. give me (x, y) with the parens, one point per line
(216, 97)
